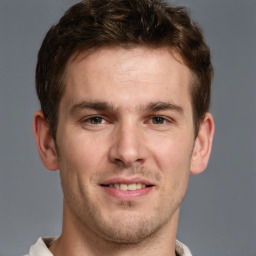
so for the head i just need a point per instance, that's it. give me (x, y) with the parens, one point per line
(94, 24)
(125, 90)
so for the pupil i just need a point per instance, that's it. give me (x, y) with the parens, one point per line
(96, 120)
(158, 120)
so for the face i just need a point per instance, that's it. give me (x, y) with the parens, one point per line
(125, 138)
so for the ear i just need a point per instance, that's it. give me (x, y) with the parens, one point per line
(203, 145)
(45, 143)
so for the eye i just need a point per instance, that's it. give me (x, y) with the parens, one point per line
(94, 120)
(158, 120)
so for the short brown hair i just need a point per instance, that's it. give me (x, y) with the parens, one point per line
(92, 24)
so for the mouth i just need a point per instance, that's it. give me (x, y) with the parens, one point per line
(127, 187)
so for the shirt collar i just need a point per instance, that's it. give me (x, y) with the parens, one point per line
(40, 248)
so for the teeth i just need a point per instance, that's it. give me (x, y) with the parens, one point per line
(125, 187)
(138, 185)
(132, 186)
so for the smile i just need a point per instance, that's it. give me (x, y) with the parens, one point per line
(125, 187)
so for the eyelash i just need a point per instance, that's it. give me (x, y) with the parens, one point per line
(162, 120)
(90, 120)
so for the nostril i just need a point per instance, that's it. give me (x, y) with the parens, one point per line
(129, 163)
(119, 162)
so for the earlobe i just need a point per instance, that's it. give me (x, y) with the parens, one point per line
(45, 143)
(203, 145)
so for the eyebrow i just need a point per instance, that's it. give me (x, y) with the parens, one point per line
(161, 106)
(96, 105)
(105, 106)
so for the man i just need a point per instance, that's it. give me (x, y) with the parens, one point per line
(124, 88)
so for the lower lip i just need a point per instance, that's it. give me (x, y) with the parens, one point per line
(127, 195)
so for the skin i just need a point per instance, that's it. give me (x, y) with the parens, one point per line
(125, 117)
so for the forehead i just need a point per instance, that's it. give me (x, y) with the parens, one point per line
(125, 75)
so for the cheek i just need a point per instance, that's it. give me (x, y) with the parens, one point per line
(75, 164)
(81, 153)
(173, 159)
(173, 154)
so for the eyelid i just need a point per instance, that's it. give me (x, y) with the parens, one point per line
(105, 119)
(90, 117)
(166, 119)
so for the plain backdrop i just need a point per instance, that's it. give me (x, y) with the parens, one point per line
(218, 215)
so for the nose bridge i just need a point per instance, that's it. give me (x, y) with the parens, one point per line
(127, 147)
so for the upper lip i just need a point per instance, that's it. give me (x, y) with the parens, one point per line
(133, 180)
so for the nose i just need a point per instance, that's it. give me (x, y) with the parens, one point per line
(127, 146)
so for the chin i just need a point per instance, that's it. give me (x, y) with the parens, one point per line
(130, 228)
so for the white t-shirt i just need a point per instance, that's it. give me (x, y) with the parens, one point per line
(40, 248)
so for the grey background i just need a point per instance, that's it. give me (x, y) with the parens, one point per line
(218, 216)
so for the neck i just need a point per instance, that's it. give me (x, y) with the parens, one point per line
(77, 239)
